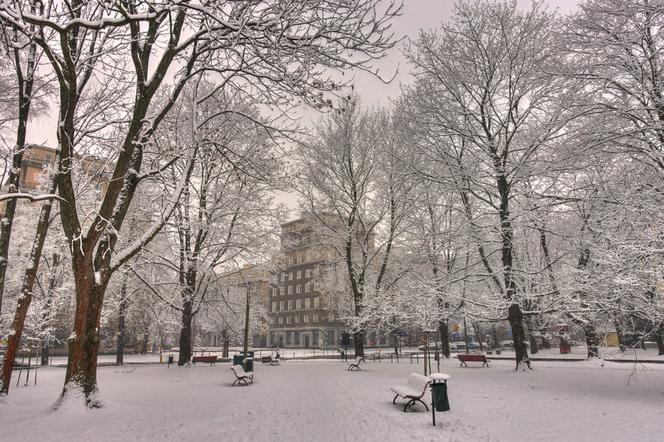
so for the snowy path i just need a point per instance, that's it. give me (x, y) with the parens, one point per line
(321, 401)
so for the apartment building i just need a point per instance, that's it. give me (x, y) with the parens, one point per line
(304, 304)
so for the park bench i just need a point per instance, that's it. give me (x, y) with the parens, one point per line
(466, 357)
(355, 365)
(242, 377)
(413, 391)
(210, 359)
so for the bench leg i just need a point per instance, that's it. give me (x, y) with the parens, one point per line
(408, 404)
(236, 381)
(420, 401)
(394, 401)
(485, 363)
(463, 363)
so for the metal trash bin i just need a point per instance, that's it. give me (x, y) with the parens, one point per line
(170, 359)
(248, 364)
(237, 359)
(439, 399)
(439, 396)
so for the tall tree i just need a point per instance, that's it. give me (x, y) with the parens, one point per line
(273, 51)
(486, 90)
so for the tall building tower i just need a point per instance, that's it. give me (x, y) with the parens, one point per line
(304, 302)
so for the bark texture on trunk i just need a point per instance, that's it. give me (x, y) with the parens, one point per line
(592, 340)
(81, 376)
(515, 317)
(443, 331)
(358, 338)
(122, 310)
(185, 335)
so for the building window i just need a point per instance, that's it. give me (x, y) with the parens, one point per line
(290, 276)
(314, 318)
(307, 302)
(316, 286)
(307, 287)
(281, 305)
(299, 274)
(275, 291)
(317, 302)
(316, 271)
(298, 288)
(331, 317)
(296, 319)
(290, 304)
(290, 289)
(274, 306)
(283, 277)
(288, 319)
(298, 304)
(281, 320)
(305, 319)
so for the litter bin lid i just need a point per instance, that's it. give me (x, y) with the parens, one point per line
(439, 376)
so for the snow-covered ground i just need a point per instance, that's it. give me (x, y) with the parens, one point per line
(320, 400)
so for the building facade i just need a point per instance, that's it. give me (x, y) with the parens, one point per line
(304, 304)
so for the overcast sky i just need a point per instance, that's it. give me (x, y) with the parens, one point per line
(417, 14)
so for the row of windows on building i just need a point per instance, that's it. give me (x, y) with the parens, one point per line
(295, 319)
(296, 304)
(314, 318)
(307, 273)
(308, 255)
(296, 289)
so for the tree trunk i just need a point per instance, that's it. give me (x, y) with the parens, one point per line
(444, 334)
(358, 338)
(25, 85)
(25, 297)
(122, 309)
(185, 334)
(245, 345)
(533, 343)
(81, 376)
(395, 341)
(46, 313)
(592, 340)
(515, 317)
(225, 343)
(659, 339)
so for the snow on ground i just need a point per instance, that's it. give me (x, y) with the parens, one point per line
(320, 400)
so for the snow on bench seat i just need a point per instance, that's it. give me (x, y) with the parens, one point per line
(413, 391)
(242, 377)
